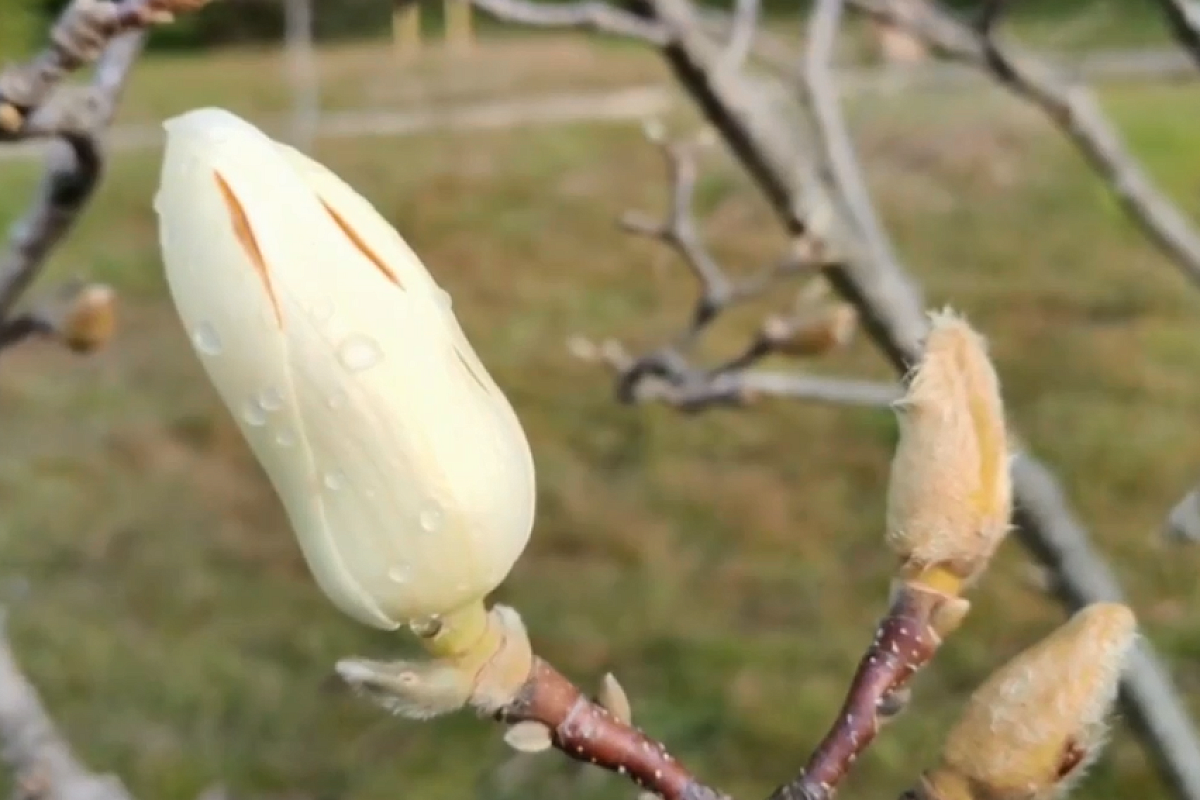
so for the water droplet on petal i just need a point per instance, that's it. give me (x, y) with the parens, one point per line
(206, 340)
(400, 573)
(253, 413)
(359, 352)
(337, 399)
(444, 299)
(334, 480)
(285, 438)
(431, 519)
(270, 399)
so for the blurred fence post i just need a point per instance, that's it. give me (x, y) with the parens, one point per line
(302, 72)
(406, 28)
(459, 32)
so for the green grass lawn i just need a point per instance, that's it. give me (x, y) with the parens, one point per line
(729, 568)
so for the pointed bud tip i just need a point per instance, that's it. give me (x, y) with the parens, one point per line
(355, 672)
(1039, 720)
(949, 498)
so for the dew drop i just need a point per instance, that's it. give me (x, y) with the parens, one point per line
(285, 438)
(359, 352)
(206, 340)
(253, 413)
(337, 399)
(431, 519)
(444, 299)
(270, 399)
(334, 480)
(400, 573)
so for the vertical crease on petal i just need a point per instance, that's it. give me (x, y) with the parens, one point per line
(471, 371)
(245, 237)
(361, 245)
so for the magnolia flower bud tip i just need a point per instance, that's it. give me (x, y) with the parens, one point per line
(207, 120)
(285, 277)
(949, 497)
(354, 672)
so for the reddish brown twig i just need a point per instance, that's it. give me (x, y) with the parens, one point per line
(587, 732)
(905, 641)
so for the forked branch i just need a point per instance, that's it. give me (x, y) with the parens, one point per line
(88, 31)
(1069, 105)
(890, 306)
(811, 327)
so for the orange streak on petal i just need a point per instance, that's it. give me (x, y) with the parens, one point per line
(245, 237)
(357, 241)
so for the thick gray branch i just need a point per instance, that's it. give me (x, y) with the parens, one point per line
(666, 377)
(1069, 105)
(891, 307)
(742, 30)
(839, 164)
(35, 750)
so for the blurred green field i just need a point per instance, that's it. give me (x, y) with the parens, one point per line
(728, 567)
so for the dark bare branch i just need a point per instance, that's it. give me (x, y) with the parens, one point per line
(1069, 105)
(1183, 17)
(890, 305)
(112, 35)
(666, 377)
(22, 327)
(679, 229)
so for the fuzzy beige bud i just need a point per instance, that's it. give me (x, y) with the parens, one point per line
(949, 498)
(11, 118)
(90, 320)
(1030, 731)
(813, 334)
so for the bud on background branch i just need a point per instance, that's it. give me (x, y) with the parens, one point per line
(948, 509)
(1030, 731)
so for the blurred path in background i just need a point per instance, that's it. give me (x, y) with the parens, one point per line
(638, 102)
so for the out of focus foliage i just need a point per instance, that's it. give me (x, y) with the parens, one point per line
(243, 21)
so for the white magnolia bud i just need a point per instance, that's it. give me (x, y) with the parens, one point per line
(401, 464)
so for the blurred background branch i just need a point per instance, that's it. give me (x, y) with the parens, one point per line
(806, 290)
(824, 205)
